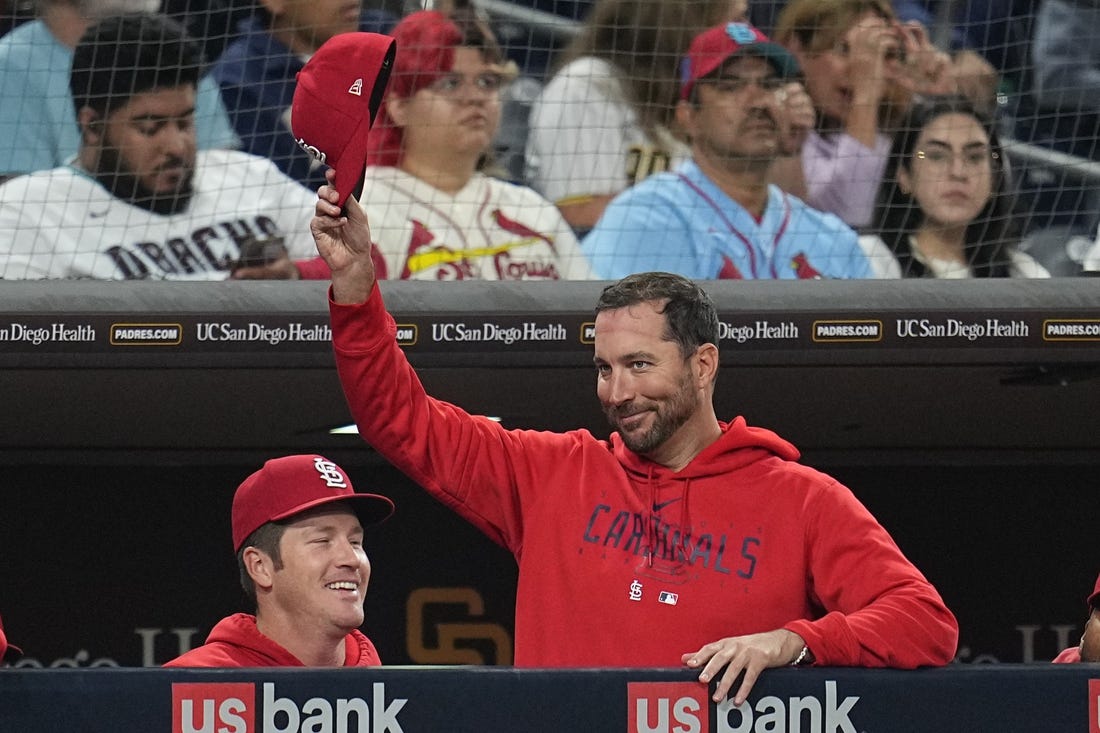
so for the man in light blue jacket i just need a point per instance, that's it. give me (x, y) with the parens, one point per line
(717, 216)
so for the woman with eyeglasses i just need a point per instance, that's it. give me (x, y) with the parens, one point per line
(434, 214)
(945, 207)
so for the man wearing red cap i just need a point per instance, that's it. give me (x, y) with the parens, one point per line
(298, 533)
(718, 216)
(1089, 648)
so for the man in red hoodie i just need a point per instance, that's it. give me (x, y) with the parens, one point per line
(298, 532)
(1089, 648)
(682, 539)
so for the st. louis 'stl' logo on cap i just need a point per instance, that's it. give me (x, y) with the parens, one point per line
(318, 154)
(330, 473)
(336, 99)
(289, 485)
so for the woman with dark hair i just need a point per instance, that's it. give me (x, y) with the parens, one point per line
(434, 213)
(945, 208)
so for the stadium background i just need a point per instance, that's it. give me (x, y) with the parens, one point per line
(118, 473)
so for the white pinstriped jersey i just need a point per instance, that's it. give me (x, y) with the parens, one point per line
(61, 223)
(490, 230)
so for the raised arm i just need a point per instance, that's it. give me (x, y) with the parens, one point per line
(343, 241)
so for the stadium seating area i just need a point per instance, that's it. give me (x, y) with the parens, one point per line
(1055, 152)
(1050, 139)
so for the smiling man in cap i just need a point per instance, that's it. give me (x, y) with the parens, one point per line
(718, 216)
(298, 534)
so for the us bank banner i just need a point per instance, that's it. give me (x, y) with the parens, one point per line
(959, 698)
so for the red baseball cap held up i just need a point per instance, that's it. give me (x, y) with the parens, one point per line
(1094, 599)
(711, 48)
(336, 98)
(292, 484)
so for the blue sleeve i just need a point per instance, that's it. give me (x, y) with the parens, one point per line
(29, 132)
(212, 127)
(840, 245)
(859, 266)
(640, 231)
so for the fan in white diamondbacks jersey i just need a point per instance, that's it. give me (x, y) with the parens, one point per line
(138, 201)
(433, 215)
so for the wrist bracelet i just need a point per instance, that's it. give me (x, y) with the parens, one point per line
(801, 656)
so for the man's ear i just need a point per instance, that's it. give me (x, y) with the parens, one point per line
(398, 109)
(259, 566)
(706, 365)
(91, 126)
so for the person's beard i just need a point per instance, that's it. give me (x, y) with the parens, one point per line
(668, 417)
(123, 184)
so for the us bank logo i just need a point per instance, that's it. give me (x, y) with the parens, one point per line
(684, 707)
(667, 707)
(232, 707)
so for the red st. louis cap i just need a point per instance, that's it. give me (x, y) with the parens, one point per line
(336, 98)
(710, 49)
(292, 484)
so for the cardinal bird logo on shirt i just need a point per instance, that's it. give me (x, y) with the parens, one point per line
(803, 269)
(426, 254)
(515, 227)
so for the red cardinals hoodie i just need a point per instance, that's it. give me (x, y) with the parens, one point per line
(623, 562)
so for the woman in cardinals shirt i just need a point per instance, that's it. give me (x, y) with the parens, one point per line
(433, 214)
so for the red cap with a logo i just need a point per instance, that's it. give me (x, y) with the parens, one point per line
(711, 48)
(1094, 599)
(291, 485)
(336, 97)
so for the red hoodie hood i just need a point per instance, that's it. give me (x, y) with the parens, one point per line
(738, 446)
(236, 642)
